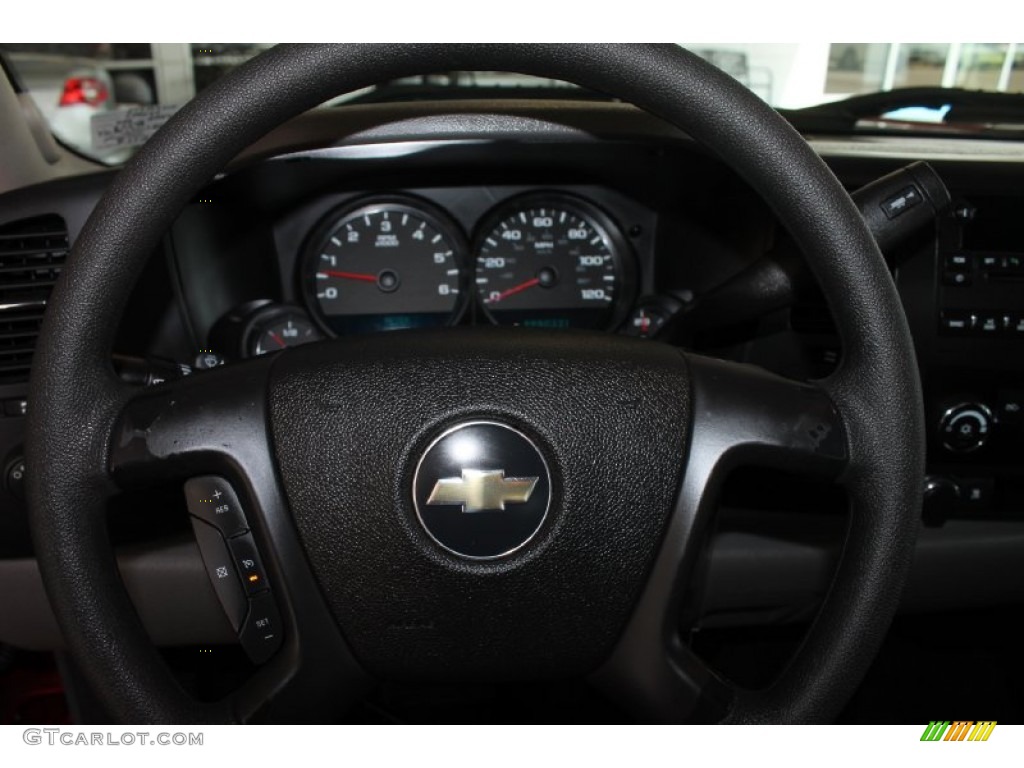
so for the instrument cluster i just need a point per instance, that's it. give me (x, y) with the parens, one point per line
(548, 260)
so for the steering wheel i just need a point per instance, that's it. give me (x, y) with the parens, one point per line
(336, 450)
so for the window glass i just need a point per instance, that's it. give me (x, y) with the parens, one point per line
(72, 82)
(920, 64)
(212, 60)
(981, 65)
(856, 67)
(1016, 80)
(104, 99)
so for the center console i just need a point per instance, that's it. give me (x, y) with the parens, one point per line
(965, 303)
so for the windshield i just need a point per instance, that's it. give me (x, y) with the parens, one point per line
(104, 100)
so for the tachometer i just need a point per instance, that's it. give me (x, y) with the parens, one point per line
(384, 265)
(554, 262)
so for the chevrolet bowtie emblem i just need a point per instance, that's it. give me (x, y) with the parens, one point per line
(481, 489)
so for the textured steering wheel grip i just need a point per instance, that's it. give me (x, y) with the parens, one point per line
(76, 396)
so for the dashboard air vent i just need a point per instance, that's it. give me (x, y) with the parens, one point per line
(32, 253)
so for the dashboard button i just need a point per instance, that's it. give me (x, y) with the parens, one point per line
(965, 212)
(956, 321)
(1013, 324)
(212, 499)
(247, 561)
(957, 278)
(262, 632)
(989, 324)
(976, 492)
(961, 262)
(15, 478)
(1010, 407)
(1011, 265)
(221, 570)
(17, 406)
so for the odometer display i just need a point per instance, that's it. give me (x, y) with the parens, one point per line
(383, 266)
(550, 262)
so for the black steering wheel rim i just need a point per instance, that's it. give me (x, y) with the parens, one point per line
(77, 398)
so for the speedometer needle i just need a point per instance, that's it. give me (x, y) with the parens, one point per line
(350, 275)
(513, 290)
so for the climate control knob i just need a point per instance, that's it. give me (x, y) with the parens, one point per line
(965, 427)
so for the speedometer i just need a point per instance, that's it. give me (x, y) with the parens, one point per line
(552, 262)
(383, 265)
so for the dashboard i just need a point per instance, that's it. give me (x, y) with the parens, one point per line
(568, 217)
(535, 235)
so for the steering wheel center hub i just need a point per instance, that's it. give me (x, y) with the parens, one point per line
(482, 490)
(470, 499)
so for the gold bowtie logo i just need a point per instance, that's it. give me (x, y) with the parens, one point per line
(481, 489)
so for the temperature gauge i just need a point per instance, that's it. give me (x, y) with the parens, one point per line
(645, 322)
(651, 315)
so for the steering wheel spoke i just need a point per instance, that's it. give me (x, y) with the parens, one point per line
(742, 415)
(209, 423)
(210, 432)
(657, 678)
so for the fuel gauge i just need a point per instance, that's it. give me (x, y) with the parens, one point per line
(283, 329)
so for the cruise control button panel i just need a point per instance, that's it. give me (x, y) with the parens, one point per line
(212, 499)
(221, 570)
(234, 565)
(248, 563)
(261, 634)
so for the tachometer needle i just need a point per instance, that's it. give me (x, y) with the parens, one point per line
(280, 342)
(513, 290)
(350, 275)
